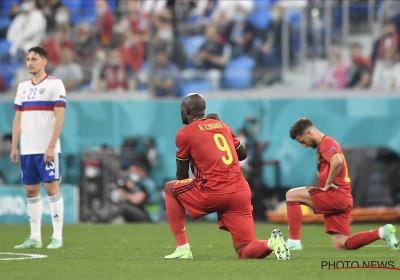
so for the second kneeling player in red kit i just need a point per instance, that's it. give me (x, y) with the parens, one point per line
(332, 198)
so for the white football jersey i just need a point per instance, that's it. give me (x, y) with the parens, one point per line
(36, 103)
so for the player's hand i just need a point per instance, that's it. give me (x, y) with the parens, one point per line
(14, 156)
(48, 155)
(328, 187)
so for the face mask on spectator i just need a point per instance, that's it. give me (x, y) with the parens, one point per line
(26, 7)
(134, 177)
(165, 35)
(239, 18)
(62, 18)
(101, 11)
(128, 44)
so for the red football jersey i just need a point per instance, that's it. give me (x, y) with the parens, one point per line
(210, 146)
(327, 149)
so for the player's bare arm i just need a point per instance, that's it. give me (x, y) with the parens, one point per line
(182, 169)
(16, 131)
(58, 124)
(241, 152)
(335, 165)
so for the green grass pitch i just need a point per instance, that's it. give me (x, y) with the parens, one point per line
(136, 251)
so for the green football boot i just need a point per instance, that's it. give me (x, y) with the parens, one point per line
(55, 244)
(183, 253)
(30, 244)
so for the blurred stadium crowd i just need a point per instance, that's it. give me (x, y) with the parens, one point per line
(202, 45)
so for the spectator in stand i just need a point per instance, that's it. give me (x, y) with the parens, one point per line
(54, 17)
(359, 74)
(388, 41)
(132, 50)
(241, 33)
(192, 17)
(103, 25)
(272, 39)
(134, 19)
(165, 39)
(26, 30)
(54, 46)
(116, 74)
(269, 63)
(210, 60)
(69, 72)
(335, 74)
(85, 49)
(387, 72)
(84, 43)
(165, 77)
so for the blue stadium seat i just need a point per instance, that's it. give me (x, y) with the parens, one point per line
(74, 6)
(238, 73)
(262, 5)
(192, 44)
(8, 71)
(5, 6)
(293, 17)
(5, 21)
(260, 18)
(111, 5)
(4, 47)
(88, 7)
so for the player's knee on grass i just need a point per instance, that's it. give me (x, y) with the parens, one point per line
(339, 241)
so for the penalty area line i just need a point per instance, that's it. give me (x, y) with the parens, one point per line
(20, 256)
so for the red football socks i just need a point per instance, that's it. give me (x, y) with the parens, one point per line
(256, 249)
(176, 218)
(294, 216)
(361, 239)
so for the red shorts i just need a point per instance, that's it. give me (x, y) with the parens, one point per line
(234, 209)
(335, 206)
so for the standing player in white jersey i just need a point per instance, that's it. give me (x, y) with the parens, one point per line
(39, 118)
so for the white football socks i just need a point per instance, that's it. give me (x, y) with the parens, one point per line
(380, 232)
(57, 215)
(294, 241)
(35, 207)
(184, 246)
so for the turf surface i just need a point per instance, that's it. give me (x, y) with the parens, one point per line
(136, 252)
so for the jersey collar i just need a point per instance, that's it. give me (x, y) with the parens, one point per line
(200, 119)
(40, 81)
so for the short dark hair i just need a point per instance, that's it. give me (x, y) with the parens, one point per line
(299, 127)
(39, 50)
(388, 22)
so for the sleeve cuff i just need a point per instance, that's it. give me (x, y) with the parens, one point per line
(182, 159)
(330, 160)
(238, 146)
